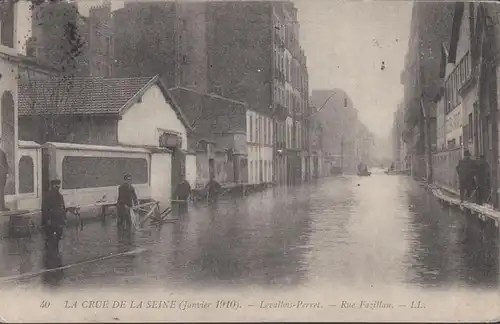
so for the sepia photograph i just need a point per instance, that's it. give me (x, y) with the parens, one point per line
(243, 161)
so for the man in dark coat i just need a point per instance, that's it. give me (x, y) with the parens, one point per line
(4, 171)
(182, 193)
(466, 171)
(53, 215)
(483, 180)
(214, 189)
(126, 199)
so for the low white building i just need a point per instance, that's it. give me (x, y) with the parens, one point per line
(113, 112)
(260, 147)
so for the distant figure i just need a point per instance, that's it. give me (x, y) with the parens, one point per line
(4, 171)
(127, 198)
(465, 170)
(182, 192)
(482, 180)
(214, 189)
(53, 216)
(361, 167)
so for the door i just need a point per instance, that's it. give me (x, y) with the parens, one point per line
(211, 168)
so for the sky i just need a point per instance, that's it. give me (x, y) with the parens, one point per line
(345, 42)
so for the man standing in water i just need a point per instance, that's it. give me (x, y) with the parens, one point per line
(127, 198)
(213, 190)
(465, 170)
(53, 215)
(182, 193)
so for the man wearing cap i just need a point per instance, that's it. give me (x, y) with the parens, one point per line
(53, 215)
(4, 171)
(466, 170)
(126, 199)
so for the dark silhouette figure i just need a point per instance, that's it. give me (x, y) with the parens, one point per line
(182, 193)
(483, 180)
(4, 171)
(466, 170)
(127, 198)
(53, 215)
(214, 189)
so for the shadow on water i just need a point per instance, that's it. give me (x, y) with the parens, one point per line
(52, 260)
(254, 240)
(449, 248)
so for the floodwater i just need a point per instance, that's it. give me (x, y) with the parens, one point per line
(364, 232)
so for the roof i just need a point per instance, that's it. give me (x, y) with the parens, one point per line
(330, 98)
(209, 113)
(88, 96)
(85, 95)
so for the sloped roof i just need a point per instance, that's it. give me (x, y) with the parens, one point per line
(210, 113)
(84, 95)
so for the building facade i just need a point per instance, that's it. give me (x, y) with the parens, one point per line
(100, 37)
(273, 79)
(340, 124)
(260, 148)
(430, 26)
(58, 37)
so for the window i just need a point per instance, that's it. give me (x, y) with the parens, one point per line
(251, 129)
(270, 132)
(257, 129)
(471, 127)
(251, 171)
(92, 172)
(26, 175)
(265, 132)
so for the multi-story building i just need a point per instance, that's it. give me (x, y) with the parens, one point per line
(254, 56)
(144, 41)
(365, 142)
(340, 122)
(315, 137)
(399, 147)
(169, 38)
(247, 51)
(430, 27)
(99, 34)
(58, 37)
(260, 148)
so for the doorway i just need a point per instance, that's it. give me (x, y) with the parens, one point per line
(8, 140)
(211, 169)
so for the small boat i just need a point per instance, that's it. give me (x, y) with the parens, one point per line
(364, 174)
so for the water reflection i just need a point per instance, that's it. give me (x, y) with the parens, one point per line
(358, 231)
(52, 261)
(449, 248)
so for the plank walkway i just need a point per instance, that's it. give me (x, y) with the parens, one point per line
(483, 212)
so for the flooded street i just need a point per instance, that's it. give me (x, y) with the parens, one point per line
(362, 231)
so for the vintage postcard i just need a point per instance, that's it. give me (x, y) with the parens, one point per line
(292, 160)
